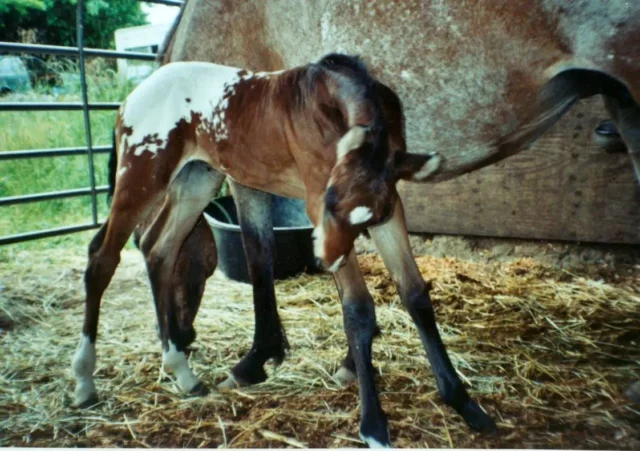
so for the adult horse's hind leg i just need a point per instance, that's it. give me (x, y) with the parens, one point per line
(269, 341)
(393, 244)
(625, 114)
(104, 256)
(197, 260)
(186, 198)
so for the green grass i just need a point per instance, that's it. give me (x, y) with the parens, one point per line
(47, 129)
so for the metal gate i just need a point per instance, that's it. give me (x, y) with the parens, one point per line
(79, 52)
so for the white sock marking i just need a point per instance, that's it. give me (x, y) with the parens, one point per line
(84, 364)
(176, 362)
(372, 442)
(344, 376)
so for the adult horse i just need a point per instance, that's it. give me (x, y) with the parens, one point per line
(479, 80)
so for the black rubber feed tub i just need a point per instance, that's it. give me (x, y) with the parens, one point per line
(292, 230)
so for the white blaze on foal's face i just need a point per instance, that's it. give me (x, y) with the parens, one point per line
(320, 251)
(330, 245)
(318, 242)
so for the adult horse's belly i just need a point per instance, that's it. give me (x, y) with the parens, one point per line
(466, 71)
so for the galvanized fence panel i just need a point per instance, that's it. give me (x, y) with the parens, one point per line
(80, 52)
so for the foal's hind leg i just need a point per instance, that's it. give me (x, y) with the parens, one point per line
(196, 262)
(186, 198)
(269, 340)
(104, 256)
(393, 244)
(348, 371)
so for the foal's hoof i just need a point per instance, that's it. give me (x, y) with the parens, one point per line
(231, 383)
(633, 392)
(376, 435)
(199, 390)
(87, 403)
(344, 376)
(375, 444)
(476, 419)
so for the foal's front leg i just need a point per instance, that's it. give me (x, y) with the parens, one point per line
(393, 244)
(269, 340)
(359, 317)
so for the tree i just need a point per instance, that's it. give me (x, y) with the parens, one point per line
(54, 21)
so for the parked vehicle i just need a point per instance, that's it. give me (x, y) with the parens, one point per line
(14, 76)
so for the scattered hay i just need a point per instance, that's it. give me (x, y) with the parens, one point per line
(546, 352)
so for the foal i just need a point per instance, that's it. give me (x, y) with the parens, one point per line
(326, 132)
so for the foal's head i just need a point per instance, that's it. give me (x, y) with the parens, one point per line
(369, 159)
(361, 191)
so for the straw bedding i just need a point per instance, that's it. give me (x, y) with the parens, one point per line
(547, 352)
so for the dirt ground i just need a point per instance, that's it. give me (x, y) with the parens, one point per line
(561, 255)
(546, 336)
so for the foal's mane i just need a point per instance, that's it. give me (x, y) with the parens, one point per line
(354, 89)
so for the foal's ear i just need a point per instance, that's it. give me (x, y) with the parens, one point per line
(414, 166)
(353, 139)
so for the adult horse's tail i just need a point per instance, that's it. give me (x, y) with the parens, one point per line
(164, 53)
(555, 98)
(113, 165)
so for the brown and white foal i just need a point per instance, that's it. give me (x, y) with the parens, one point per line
(326, 132)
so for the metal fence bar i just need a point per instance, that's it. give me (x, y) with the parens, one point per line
(164, 2)
(15, 200)
(59, 152)
(20, 237)
(85, 110)
(80, 52)
(57, 106)
(12, 47)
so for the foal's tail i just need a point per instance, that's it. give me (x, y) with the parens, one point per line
(113, 165)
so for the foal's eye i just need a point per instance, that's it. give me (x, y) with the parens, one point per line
(331, 200)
